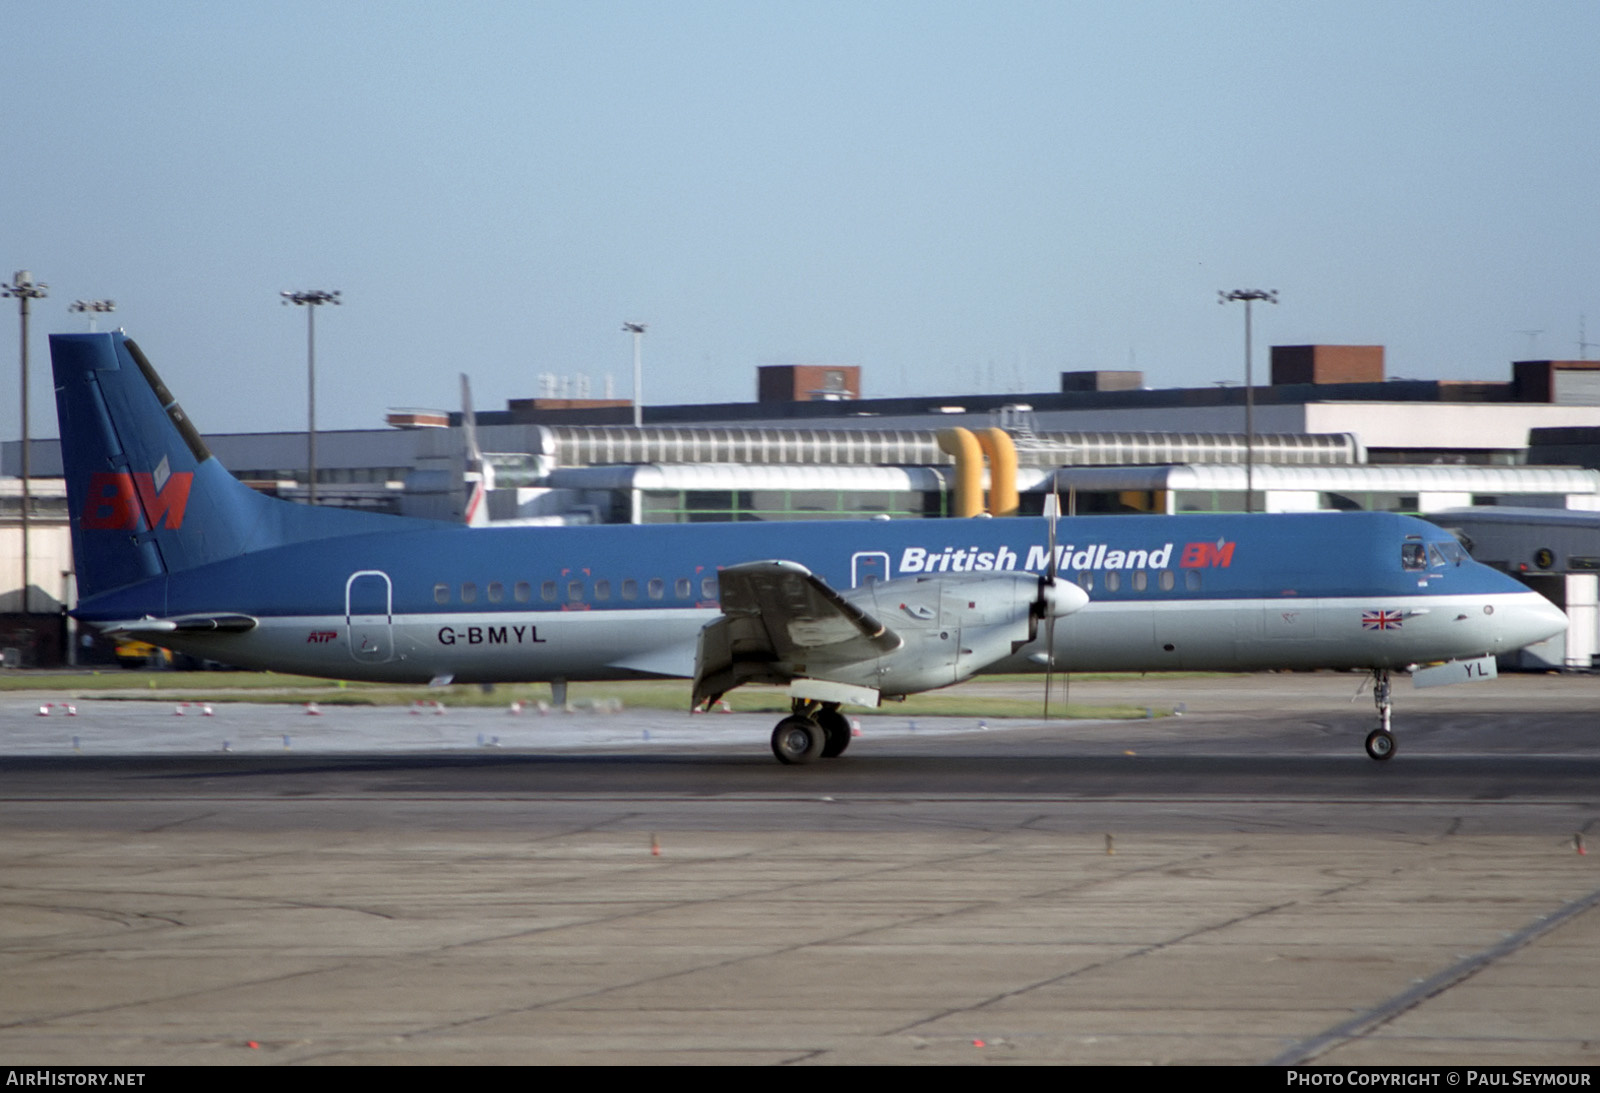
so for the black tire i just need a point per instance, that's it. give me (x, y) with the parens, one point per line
(835, 732)
(797, 740)
(1380, 745)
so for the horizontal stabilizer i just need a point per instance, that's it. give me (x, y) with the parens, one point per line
(183, 624)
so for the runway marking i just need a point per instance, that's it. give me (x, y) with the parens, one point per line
(1143, 950)
(1366, 1023)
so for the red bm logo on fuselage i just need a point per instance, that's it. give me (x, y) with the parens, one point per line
(1217, 555)
(120, 501)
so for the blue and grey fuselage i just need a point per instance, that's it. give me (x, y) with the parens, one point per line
(167, 540)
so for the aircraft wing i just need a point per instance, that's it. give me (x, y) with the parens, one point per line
(778, 618)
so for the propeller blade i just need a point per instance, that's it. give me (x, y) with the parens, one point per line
(1052, 512)
(1055, 597)
(1049, 665)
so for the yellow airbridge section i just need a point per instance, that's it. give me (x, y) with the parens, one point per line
(970, 450)
(969, 470)
(1002, 455)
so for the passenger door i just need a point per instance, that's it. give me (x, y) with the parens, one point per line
(369, 616)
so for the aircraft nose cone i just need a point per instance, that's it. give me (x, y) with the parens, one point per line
(1525, 620)
(1064, 597)
(1541, 619)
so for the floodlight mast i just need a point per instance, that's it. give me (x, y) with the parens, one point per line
(637, 330)
(24, 288)
(311, 299)
(1249, 296)
(94, 309)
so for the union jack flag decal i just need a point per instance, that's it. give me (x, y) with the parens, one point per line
(1380, 620)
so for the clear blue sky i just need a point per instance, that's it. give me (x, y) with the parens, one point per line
(954, 196)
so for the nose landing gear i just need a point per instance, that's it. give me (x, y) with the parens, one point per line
(1380, 741)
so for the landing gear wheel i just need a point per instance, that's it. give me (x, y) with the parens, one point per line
(797, 740)
(836, 732)
(1380, 744)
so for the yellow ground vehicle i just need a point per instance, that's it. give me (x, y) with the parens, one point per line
(132, 653)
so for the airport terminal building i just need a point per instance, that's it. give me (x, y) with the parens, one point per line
(1331, 433)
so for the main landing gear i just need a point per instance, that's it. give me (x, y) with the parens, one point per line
(1380, 741)
(814, 730)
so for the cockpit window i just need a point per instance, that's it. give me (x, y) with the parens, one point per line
(1413, 555)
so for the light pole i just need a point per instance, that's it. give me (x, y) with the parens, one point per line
(1249, 296)
(92, 308)
(637, 330)
(311, 299)
(24, 288)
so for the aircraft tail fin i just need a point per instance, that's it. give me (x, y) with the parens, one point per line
(479, 478)
(146, 495)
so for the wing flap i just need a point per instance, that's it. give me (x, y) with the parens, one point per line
(778, 618)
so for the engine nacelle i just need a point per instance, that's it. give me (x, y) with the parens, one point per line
(952, 626)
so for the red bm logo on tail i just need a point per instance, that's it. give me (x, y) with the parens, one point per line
(119, 501)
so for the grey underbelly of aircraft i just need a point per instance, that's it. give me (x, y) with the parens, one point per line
(465, 648)
(1215, 635)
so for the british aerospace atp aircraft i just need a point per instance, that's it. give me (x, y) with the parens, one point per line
(173, 548)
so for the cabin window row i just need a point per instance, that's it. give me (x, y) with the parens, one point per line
(582, 591)
(1112, 580)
